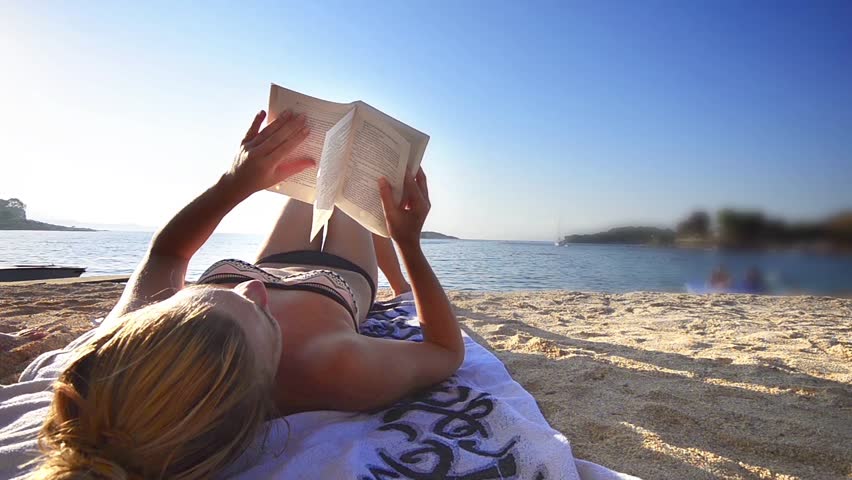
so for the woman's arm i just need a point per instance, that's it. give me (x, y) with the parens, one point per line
(161, 272)
(363, 373)
(405, 222)
(258, 165)
(187, 231)
(434, 310)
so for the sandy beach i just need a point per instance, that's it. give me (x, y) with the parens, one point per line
(662, 386)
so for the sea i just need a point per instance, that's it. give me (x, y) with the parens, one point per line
(478, 265)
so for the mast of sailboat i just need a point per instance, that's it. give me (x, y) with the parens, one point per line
(558, 230)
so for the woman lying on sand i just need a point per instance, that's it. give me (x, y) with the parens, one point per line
(182, 378)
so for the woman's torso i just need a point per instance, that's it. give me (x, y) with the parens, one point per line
(306, 319)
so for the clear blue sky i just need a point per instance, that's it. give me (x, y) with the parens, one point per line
(598, 113)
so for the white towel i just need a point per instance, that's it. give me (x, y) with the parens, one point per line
(23, 406)
(479, 424)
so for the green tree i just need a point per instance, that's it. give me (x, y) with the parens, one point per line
(12, 209)
(742, 228)
(696, 225)
(839, 228)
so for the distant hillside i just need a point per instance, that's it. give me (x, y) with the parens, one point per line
(752, 229)
(625, 236)
(436, 236)
(13, 216)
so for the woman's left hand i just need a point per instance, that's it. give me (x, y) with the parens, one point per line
(405, 220)
(261, 163)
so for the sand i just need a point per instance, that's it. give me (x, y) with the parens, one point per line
(38, 318)
(683, 386)
(662, 386)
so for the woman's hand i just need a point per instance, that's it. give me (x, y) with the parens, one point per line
(405, 220)
(260, 162)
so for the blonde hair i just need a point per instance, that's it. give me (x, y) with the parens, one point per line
(170, 391)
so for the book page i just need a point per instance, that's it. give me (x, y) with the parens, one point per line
(332, 167)
(321, 117)
(416, 138)
(377, 150)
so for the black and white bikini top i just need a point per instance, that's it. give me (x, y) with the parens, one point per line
(324, 282)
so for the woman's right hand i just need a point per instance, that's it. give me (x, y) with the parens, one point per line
(262, 160)
(405, 219)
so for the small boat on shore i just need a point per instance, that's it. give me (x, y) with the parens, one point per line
(20, 273)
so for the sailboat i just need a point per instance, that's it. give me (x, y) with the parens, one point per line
(558, 242)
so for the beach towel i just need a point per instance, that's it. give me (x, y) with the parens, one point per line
(478, 424)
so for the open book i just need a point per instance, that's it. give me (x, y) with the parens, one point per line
(353, 145)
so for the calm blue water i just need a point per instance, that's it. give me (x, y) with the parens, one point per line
(471, 264)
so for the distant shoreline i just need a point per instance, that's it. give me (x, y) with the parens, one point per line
(436, 236)
(710, 247)
(35, 226)
(13, 216)
(734, 230)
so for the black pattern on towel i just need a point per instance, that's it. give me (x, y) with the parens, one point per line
(432, 431)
